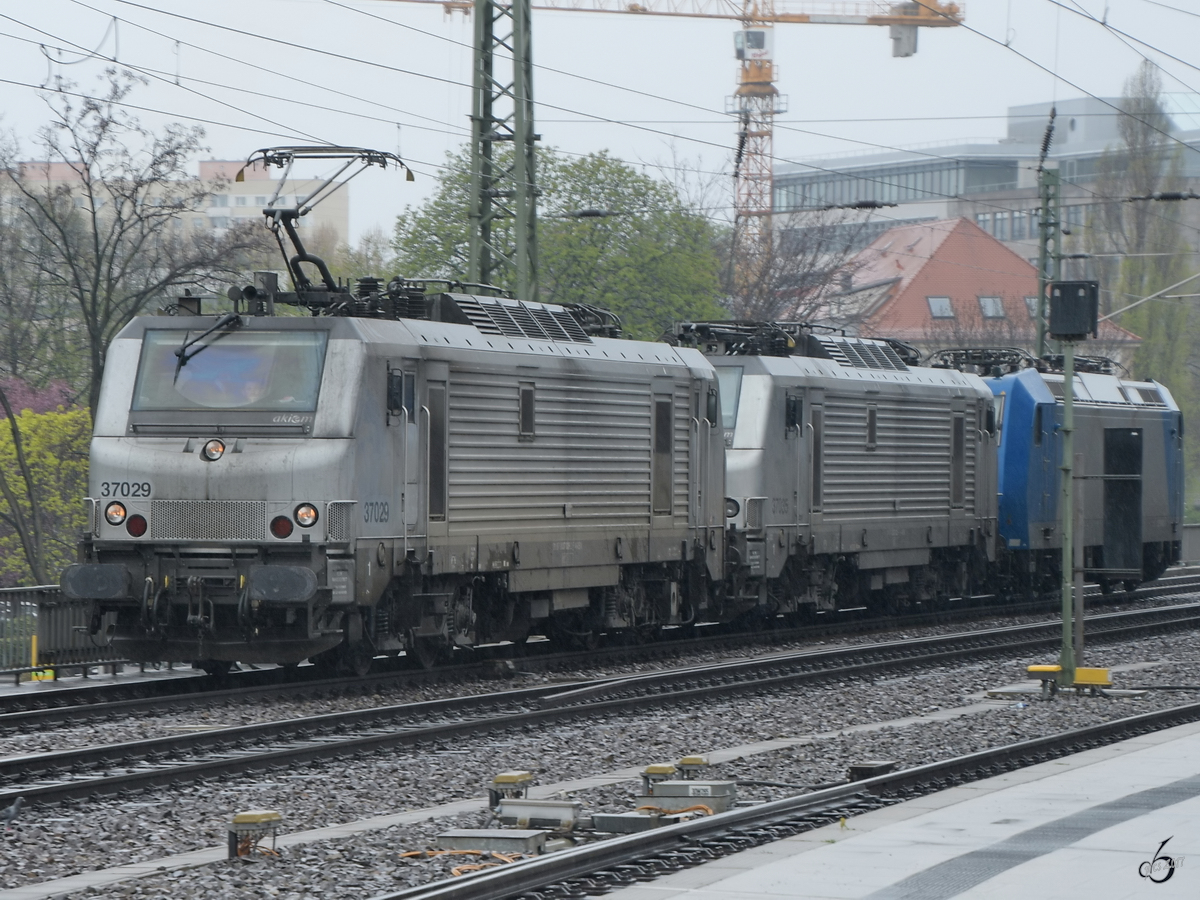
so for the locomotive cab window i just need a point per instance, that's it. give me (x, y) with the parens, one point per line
(729, 380)
(525, 411)
(872, 427)
(400, 393)
(277, 371)
(793, 413)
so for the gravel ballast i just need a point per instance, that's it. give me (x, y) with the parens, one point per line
(163, 722)
(53, 842)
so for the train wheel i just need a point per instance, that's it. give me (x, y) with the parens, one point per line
(586, 640)
(359, 659)
(426, 651)
(326, 662)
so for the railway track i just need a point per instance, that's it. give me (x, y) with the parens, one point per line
(600, 867)
(117, 768)
(40, 709)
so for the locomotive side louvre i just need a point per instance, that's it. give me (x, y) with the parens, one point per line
(583, 476)
(590, 447)
(561, 479)
(917, 462)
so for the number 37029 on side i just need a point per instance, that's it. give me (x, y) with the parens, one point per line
(126, 489)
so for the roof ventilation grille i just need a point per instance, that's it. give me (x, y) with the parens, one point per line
(861, 354)
(514, 318)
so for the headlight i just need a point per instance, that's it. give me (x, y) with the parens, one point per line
(281, 527)
(306, 515)
(213, 450)
(115, 513)
(732, 507)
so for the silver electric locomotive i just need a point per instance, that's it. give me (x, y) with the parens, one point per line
(449, 470)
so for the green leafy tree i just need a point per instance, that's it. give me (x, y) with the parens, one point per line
(43, 476)
(638, 250)
(370, 255)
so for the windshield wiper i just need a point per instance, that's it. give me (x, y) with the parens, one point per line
(229, 320)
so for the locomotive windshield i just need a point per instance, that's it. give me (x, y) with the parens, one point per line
(267, 370)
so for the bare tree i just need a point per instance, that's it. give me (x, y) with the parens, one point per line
(1143, 163)
(791, 276)
(90, 236)
(38, 340)
(104, 212)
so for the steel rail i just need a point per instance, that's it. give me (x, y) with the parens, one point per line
(154, 762)
(865, 657)
(605, 864)
(84, 703)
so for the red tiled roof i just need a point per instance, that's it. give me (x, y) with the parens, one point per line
(956, 259)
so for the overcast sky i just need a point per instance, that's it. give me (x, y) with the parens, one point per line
(650, 90)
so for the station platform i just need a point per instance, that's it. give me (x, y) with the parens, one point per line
(1091, 826)
(100, 676)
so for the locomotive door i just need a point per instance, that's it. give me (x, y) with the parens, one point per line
(1123, 499)
(812, 475)
(794, 433)
(662, 454)
(404, 428)
(435, 437)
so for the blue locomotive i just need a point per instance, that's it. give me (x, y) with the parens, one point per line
(1129, 440)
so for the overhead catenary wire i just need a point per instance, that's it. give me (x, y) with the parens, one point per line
(599, 118)
(1124, 34)
(161, 112)
(1033, 62)
(167, 80)
(1186, 12)
(260, 68)
(1155, 295)
(723, 120)
(605, 120)
(175, 78)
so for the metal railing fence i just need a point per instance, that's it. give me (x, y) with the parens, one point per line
(40, 627)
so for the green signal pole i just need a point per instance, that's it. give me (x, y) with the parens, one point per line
(1066, 657)
(1049, 245)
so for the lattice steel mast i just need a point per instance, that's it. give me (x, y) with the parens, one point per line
(503, 186)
